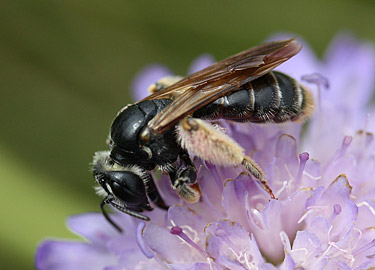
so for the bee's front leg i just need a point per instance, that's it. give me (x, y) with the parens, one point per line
(184, 179)
(211, 144)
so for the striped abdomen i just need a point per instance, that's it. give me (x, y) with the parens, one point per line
(274, 97)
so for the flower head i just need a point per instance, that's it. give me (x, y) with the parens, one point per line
(323, 177)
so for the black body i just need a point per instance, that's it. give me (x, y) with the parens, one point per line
(274, 97)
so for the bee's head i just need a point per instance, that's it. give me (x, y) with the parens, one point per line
(124, 184)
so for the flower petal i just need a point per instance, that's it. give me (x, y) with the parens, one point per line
(194, 266)
(169, 248)
(59, 255)
(146, 77)
(306, 246)
(201, 62)
(305, 62)
(93, 227)
(230, 245)
(350, 65)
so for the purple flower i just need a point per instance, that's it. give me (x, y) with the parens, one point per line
(324, 180)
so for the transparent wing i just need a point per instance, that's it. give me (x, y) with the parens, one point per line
(201, 88)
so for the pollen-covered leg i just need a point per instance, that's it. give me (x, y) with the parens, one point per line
(255, 170)
(186, 191)
(184, 180)
(211, 144)
(163, 83)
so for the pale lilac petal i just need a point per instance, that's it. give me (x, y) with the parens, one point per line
(212, 201)
(239, 195)
(312, 173)
(290, 219)
(146, 77)
(193, 266)
(366, 265)
(306, 246)
(288, 263)
(351, 65)
(94, 227)
(184, 216)
(59, 255)
(305, 62)
(286, 162)
(366, 214)
(268, 227)
(176, 251)
(201, 62)
(230, 245)
(131, 259)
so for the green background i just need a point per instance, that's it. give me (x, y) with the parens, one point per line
(66, 67)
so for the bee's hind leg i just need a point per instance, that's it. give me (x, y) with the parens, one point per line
(211, 144)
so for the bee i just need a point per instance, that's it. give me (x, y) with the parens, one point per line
(163, 128)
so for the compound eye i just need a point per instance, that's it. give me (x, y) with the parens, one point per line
(129, 188)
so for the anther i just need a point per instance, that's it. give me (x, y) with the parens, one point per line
(303, 158)
(319, 81)
(336, 211)
(345, 144)
(179, 232)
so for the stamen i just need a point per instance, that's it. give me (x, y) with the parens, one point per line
(344, 252)
(345, 144)
(179, 232)
(303, 158)
(257, 200)
(358, 238)
(364, 248)
(141, 244)
(370, 208)
(243, 258)
(366, 124)
(311, 176)
(323, 255)
(285, 241)
(288, 171)
(255, 216)
(319, 81)
(310, 210)
(284, 186)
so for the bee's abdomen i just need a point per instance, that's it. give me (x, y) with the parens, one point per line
(274, 97)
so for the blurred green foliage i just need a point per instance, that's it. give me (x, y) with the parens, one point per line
(66, 67)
